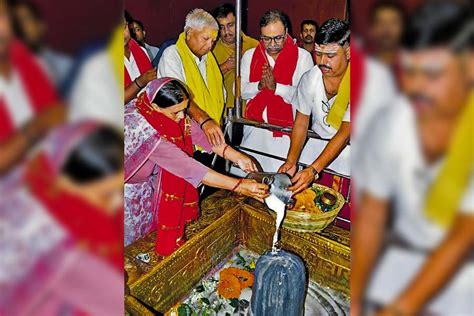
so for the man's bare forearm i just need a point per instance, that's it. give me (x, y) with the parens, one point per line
(333, 148)
(440, 267)
(197, 113)
(367, 235)
(298, 136)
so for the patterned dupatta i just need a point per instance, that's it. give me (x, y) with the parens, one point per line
(178, 199)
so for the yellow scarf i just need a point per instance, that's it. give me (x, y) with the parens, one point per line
(210, 98)
(338, 109)
(222, 52)
(445, 194)
(115, 53)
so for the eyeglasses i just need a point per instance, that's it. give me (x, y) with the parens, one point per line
(268, 39)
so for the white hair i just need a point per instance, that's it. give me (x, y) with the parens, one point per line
(199, 18)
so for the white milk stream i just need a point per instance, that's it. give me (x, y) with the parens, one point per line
(276, 205)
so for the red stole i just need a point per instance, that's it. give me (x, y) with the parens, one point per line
(39, 90)
(178, 199)
(141, 58)
(278, 111)
(90, 227)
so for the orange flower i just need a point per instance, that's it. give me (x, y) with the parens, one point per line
(245, 278)
(229, 286)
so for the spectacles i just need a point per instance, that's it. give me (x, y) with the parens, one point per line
(268, 39)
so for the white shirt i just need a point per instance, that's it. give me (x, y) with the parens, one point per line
(250, 89)
(96, 93)
(171, 65)
(261, 139)
(310, 99)
(16, 99)
(132, 66)
(393, 168)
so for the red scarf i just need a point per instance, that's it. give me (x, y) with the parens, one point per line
(38, 88)
(178, 199)
(141, 58)
(90, 227)
(278, 111)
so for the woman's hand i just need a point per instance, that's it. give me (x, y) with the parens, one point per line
(246, 163)
(252, 188)
(213, 133)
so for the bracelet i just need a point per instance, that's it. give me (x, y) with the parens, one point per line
(136, 82)
(237, 185)
(205, 121)
(223, 152)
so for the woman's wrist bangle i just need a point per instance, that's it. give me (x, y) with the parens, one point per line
(136, 82)
(223, 152)
(205, 121)
(237, 185)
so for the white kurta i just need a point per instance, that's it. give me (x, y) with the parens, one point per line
(311, 99)
(393, 168)
(261, 139)
(17, 102)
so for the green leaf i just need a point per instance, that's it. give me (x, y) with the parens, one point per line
(235, 304)
(244, 304)
(184, 310)
(205, 301)
(200, 288)
(242, 260)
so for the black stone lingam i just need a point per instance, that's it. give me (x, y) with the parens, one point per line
(279, 286)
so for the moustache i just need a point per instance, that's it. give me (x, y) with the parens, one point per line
(308, 37)
(325, 66)
(420, 97)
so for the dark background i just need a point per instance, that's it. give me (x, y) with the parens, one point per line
(164, 20)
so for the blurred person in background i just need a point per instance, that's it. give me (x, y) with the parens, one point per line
(29, 104)
(413, 230)
(322, 94)
(270, 74)
(160, 174)
(61, 217)
(387, 19)
(309, 29)
(139, 34)
(224, 50)
(97, 92)
(32, 28)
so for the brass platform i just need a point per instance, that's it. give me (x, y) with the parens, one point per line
(227, 221)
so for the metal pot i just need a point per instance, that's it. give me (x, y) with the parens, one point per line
(278, 183)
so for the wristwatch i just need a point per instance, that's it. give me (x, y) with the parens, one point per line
(314, 171)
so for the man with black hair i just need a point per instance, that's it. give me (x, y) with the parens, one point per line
(417, 170)
(138, 32)
(309, 29)
(31, 28)
(270, 74)
(224, 51)
(323, 94)
(386, 27)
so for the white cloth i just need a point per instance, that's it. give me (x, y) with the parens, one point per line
(96, 93)
(311, 99)
(393, 168)
(261, 139)
(16, 99)
(132, 66)
(171, 65)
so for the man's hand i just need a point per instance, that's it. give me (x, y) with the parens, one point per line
(148, 76)
(302, 180)
(269, 78)
(228, 65)
(288, 167)
(46, 120)
(213, 133)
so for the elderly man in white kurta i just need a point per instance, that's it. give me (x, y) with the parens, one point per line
(270, 74)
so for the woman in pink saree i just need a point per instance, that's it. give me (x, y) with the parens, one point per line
(160, 174)
(61, 221)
